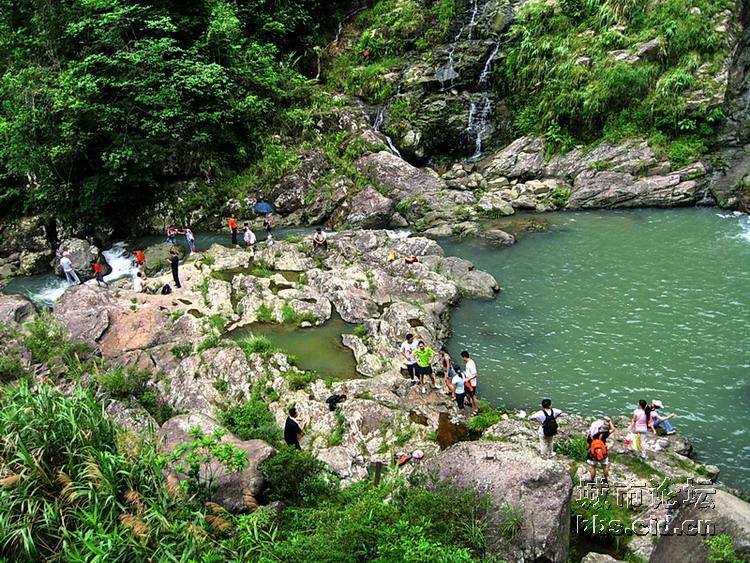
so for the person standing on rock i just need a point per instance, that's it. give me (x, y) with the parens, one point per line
(67, 268)
(248, 235)
(547, 419)
(140, 258)
(640, 424)
(267, 224)
(96, 268)
(408, 347)
(424, 355)
(459, 391)
(232, 224)
(448, 370)
(597, 455)
(471, 382)
(172, 234)
(293, 431)
(189, 238)
(174, 262)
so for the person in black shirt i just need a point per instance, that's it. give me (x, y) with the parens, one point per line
(292, 429)
(174, 261)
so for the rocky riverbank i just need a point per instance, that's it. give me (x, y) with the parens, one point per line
(180, 339)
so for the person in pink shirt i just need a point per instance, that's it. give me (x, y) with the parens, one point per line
(640, 426)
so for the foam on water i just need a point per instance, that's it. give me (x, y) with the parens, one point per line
(118, 257)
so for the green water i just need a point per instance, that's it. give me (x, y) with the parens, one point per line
(606, 308)
(316, 348)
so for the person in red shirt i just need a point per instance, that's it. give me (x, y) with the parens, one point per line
(98, 273)
(140, 258)
(232, 222)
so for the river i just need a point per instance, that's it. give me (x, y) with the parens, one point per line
(609, 307)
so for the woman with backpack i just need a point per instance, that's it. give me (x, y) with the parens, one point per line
(547, 419)
(641, 423)
(598, 456)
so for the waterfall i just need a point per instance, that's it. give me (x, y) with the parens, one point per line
(377, 125)
(447, 73)
(478, 122)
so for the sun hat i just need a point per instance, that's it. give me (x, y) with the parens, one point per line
(417, 454)
(66, 253)
(657, 403)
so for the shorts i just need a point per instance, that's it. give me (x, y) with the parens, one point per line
(411, 369)
(471, 392)
(601, 463)
(460, 400)
(424, 370)
(100, 278)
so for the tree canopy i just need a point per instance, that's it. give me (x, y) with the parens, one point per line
(105, 102)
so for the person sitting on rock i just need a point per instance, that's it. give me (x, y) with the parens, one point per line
(660, 419)
(293, 431)
(411, 259)
(598, 456)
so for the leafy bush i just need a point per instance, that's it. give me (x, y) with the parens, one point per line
(181, 351)
(721, 550)
(252, 420)
(488, 416)
(122, 382)
(295, 477)
(46, 340)
(197, 459)
(575, 448)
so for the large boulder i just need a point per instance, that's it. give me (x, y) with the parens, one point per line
(516, 479)
(28, 242)
(84, 311)
(81, 253)
(725, 513)
(398, 176)
(370, 209)
(15, 309)
(235, 491)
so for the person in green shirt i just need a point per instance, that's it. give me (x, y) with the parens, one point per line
(424, 357)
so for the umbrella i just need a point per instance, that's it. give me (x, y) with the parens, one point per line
(263, 207)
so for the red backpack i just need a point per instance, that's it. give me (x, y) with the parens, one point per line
(598, 450)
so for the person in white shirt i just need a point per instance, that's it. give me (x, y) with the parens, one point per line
(248, 235)
(320, 241)
(407, 351)
(138, 282)
(457, 381)
(547, 419)
(67, 268)
(471, 382)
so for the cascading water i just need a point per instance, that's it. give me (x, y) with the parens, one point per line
(447, 73)
(478, 123)
(45, 289)
(377, 125)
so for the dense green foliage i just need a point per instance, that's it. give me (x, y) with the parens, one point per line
(252, 420)
(105, 101)
(73, 487)
(566, 75)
